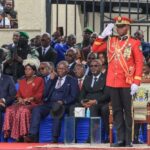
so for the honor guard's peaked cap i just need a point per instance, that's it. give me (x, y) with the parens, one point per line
(122, 20)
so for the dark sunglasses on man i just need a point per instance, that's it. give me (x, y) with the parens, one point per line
(94, 66)
(69, 55)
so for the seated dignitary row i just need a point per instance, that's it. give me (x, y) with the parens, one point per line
(57, 92)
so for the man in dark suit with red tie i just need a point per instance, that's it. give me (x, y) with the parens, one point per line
(46, 52)
(79, 71)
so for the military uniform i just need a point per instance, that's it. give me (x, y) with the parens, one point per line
(120, 73)
(125, 62)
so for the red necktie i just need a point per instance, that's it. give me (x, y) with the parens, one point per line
(80, 83)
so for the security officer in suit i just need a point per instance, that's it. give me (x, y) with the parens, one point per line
(7, 92)
(46, 52)
(125, 62)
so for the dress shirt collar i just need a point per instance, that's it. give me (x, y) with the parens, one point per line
(70, 65)
(13, 45)
(47, 77)
(81, 78)
(97, 77)
(62, 81)
(46, 49)
(63, 78)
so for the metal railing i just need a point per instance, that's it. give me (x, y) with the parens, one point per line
(138, 10)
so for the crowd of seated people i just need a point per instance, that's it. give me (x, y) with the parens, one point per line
(8, 16)
(53, 74)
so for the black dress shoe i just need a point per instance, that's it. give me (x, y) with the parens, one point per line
(118, 144)
(137, 142)
(55, 140)
(106, 140)
(30, 139)
(88, 140)
(20, 140)
(129, 145)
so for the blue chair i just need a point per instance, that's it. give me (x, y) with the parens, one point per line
(45, 132)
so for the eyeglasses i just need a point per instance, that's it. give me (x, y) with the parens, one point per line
(94, 66)
(43, 40)
(69, 55)
(41, 68)
(91, 58)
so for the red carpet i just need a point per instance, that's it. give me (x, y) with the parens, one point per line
(39, 146)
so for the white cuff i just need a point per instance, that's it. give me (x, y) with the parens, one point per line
(3, 99)
(101, 37)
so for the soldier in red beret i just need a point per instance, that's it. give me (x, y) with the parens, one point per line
(125, 62)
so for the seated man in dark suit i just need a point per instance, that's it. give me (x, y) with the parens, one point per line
(7, 92)
(46, 52)
(62, 91)
(79, 71)
(46, 70)
(94, 94)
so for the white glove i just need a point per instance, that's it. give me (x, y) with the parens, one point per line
(107, 31)
(134, 89)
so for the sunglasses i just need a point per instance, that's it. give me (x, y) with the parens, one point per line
(94, 66)
(43, 40)
(91, 58)
(68, 55)
(42, 68)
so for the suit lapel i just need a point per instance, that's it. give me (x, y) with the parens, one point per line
(99, 83)
(47, 86)
(48, 52)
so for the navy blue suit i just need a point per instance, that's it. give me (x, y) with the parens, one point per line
(68, 92)
(7, 91)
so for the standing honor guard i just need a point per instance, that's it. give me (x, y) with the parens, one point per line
(125, 62)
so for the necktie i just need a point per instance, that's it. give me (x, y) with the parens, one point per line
(80, 83)
(44, 51)
(59, 83)
(94, 82)
(46, 79)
